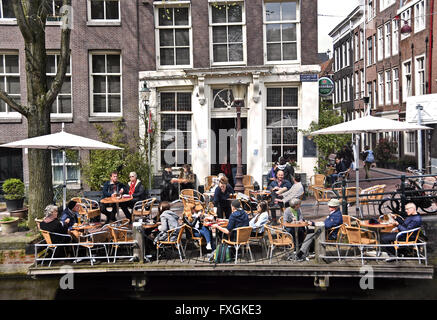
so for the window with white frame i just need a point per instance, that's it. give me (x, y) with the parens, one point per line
(348, 86)
(6, 10)
(344, 89)
(374, 48)
(282, 122)
(9, 82)
(227, 21)
(343, 55)
(419, 16)
(395, 36)
(175, 119)
(406, 82)
(387, 42)
(62, 104)
(105, 80)
(388, 87)
(348, 50)
(357, 46)
(357, 86)
(370, 94)
(380, 43)
(395, 85)
(410, 143)
(381, 89)
(420, 76)
(104, 10)
(362, 84)
(71, 164)
(173, 36)
(375, 94)
(369, 51)
(362, 44)
(281, 22)
(384, 4)
(405, 19)
(371, 10)
(54, 12)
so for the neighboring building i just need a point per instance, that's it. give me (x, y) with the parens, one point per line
(199, 49)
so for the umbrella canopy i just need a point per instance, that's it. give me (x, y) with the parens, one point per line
(61, 141)
(370, 124)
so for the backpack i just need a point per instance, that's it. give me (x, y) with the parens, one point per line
(370, 157)
(222, 254)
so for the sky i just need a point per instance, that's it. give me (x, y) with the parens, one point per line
(337, 11)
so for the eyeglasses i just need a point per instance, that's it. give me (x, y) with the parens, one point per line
(131, 176)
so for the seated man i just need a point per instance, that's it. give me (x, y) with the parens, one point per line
(340, 166)
(413, 221)
(279, 186)
(296, 191)
(237, 219)
(111, 188)
(70, 214)
(260, 219)
(334, 219)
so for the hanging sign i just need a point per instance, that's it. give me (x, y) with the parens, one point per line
(326, 86)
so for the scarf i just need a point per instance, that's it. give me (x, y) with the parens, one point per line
(132, 188)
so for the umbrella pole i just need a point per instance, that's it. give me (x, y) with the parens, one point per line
(357, 176)
(64, 174)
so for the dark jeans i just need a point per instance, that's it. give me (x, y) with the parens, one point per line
(223, 212)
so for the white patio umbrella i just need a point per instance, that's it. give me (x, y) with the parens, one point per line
(367, 124)
(61, 141)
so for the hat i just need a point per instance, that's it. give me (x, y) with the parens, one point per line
(236, 204)
(334, 203)
(71, 204)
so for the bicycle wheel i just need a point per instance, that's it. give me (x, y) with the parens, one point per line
(388, 206)
(433, 207)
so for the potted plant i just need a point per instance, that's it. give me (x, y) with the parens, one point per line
(9, 225)
(13, 190)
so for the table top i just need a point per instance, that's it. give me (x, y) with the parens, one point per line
(87, 226)
(295, 224)
(151, 225)
(366, 224)
(115, 199)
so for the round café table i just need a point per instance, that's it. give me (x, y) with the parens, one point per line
(377, 227)
(295, 225)
(117, 201)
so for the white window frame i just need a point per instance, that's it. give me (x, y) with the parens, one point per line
(388, 87)
(298, 32)
(357, 45)
(6, 20)
(362, 84)
(103, 21)
(362, 44)
(369, 51)
(395, 37)
(11, 113)
(371, 10)
(348, 50)
(395, 77)
(419, 16)
(61, 115)
(405, 16)
(405, 92)
(384, 4)
(67, 164)
(380, 34)
(105, 114)
(173, 4)
(410, 143)
(226, 24)
(357, 86)
(387, 40)
(419, 76)
(381, 88)
(370, 94)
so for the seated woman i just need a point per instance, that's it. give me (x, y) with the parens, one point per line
(169, 220)
(195, 220)
(186, 178)
(293, 214)
(52, 224)
(260, 219)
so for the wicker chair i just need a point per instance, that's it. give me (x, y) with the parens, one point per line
(143, 208)
(121, 234)
(89, 242)
(278, 238)
(198, 239)
(360, 236)
(51, 246)
(242, 239)
(248, 182)
(209, 181)
(411, 238)
(88, 208)
(317, 180)
(172, 243)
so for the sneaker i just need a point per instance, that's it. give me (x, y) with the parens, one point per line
(208, 246)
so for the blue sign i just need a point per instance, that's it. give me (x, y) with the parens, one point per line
(309, 77)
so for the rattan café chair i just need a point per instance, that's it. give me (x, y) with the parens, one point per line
(278, 238)
(242, 239)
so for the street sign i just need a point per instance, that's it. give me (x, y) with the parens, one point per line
(326, 86)
(309, 77)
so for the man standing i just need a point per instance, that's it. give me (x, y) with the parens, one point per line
(110, 188)
(369, 158)
(221, 198)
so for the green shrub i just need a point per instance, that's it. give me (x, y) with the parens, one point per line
(13, 189)
(385, 150)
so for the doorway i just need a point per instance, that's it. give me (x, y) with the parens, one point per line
(224, 147)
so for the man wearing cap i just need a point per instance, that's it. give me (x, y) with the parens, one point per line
(237, 219)
(70, 214)
(334, 219)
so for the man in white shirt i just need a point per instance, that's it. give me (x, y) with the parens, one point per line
(296, 191)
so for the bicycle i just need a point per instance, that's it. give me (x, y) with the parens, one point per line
(414, 189)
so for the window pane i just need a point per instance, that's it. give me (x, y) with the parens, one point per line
(2, 83)
(8, 11)
(13, 85)
(98, 64)
(273, 11)
(276, 135)
(54, 107)
(166, 38)
(113, 63)
(99, 83)
(114, 103)
(220, 53)
(73, 173)
(236, 52)
(289, 32)
(1, 64)
(219, 35)
(165, 16)
(184, 101)
(168, 122)
(183, 122)
(181, 16)
(290, 97)
(168, 139)
(182, 140)
(235, 33)
(273, 32)
(290, 152)
(64, 104)
(167, 56)
(182, 37)
(114, 84)
(273, 97)
(99, 103)
(182, 56)
(168, 157)
(11, 62)
(290, 51)
(273, 52)
(274, 118)
(289, 118)
(290, 136)
(97, 9)
(112, 10)
(219, 14)
(289, 11)
(58, 173)
(51, 64)
(168, 101)
(235, 13)
(66, 86)
(225, 95)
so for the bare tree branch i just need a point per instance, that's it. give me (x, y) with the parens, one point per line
(23, 23)
(17, 107)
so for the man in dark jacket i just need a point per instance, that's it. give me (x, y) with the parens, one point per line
(221, 198)
(238, 218)
(340, 166)
(112, 187)
(70, 214)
